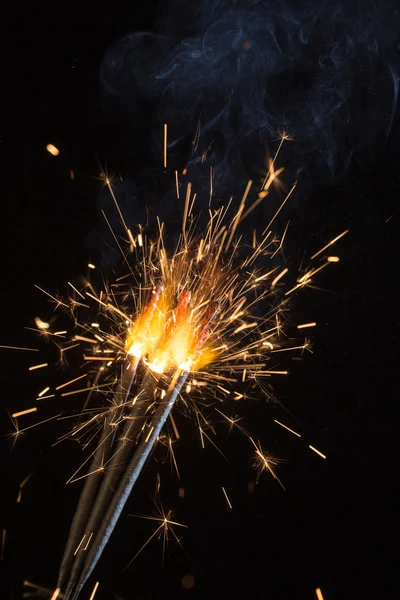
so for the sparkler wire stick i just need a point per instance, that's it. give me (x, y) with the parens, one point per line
(88, 495)
(116, 500)
(97, 491)
(127, 482)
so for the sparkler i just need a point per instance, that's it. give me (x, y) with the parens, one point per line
(206, 316)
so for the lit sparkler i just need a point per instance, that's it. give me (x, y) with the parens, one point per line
(196, 320)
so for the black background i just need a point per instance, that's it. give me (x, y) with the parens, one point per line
(335, 526)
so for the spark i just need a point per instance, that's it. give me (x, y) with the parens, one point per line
(96, 585)
(41, 324)
(55, 594)
(63, 385)
(81, 338)
(278, 277)
(24, 412)
(280, 208)
(87, 389)
(35, 367)
(338, 237)
(56, 300)
(319, 594)
(88, 542)
(288, 428)
(317, 451)
(79, 545)
(227, 499)
(333, 259)
(173, 424)
(20, 348)
(305, 325)
(91, 266)
(42, 393)
(166, 526)
(177, 184)
(266, 462)
(52, 150)
(165, 144)
(22, 485)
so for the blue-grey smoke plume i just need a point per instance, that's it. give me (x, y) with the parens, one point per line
(327, 72)
(324, 71)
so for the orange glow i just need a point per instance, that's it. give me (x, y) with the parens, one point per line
(52, 150)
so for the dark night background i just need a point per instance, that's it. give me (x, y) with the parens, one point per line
(335, 526)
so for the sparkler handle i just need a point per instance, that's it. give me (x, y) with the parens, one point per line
(92, 482)
(129, 478)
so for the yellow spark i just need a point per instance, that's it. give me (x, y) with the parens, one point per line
(223, 389)
(25, 481)
(19, 348)
(277, 372)
(149, 434)
(264, 276)
(330, 243)
(79, 545)
(131, 239)
(22, 484)
(288, 428)
(165, 144)
(186, 208)
(302, 347)
(81, 338)
(88, 542)
(24, 412)
(140, 240)
(227, 499)
(270, 346)
(55, 594)
(177, 184)
(245, 326)
(91, 266)
(41, 366)
(317, 451)
(280, 208)
(97, 299)
(319, 594)
(59, 387)
(105, 358)
(305, 325)
(238, 215)
(52, 150)
(88, 389)
(334, 259)
(41, 324)
(108, 183)
(278, 277)
(42, 393)
(58, 302)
